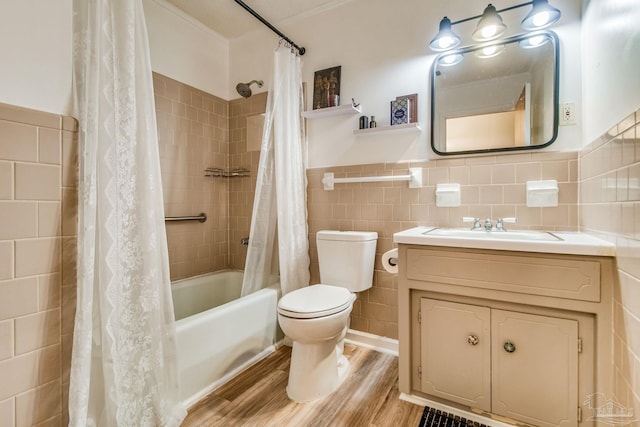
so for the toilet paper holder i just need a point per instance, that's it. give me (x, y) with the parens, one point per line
(390, 261)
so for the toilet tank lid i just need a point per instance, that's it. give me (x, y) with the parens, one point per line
(347, 235)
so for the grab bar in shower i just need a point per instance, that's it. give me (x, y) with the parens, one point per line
(200, 218)
(414, 177)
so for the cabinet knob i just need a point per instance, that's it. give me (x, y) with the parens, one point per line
(509, 347)
(473, 340)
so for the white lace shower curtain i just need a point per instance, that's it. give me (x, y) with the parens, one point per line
(280, 197)
(124, 370)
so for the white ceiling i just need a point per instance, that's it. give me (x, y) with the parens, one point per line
(230, 20)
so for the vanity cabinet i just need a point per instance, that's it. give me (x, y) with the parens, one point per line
(521, 335)
(509, 363)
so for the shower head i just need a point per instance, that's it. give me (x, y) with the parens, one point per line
(244, 89)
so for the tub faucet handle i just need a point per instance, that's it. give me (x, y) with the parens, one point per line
(244, 241)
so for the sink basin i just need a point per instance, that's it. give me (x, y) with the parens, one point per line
(556, 242)
(493, 235)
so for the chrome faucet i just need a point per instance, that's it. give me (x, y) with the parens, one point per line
(487, 224)
(476, 222)
(501, 221)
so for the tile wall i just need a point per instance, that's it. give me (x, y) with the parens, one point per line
(491, 186)
(610, 207)
(244, 152)
(193, 135)
(37, 264)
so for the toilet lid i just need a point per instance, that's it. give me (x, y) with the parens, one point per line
(315, 301)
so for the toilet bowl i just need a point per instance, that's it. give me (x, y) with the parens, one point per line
(316, 318)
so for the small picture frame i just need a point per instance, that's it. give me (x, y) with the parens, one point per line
(400, 111)
(326, 88)
(413, 106)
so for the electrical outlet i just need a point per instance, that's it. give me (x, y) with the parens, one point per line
(567, 114)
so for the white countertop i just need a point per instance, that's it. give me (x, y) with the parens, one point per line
(569, 243)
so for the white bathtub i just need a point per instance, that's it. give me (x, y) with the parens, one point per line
(218, 333)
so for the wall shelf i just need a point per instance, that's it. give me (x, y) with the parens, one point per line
(409, 127)
(332, 111)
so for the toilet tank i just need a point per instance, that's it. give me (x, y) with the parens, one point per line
(346, 258)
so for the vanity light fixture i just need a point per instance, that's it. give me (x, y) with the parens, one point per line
(541, 16)
(491, 27)
(445, 39)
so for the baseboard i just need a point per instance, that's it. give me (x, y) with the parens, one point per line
(374, 342)
(487, 420)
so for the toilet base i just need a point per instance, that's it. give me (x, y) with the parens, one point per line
(316, 370)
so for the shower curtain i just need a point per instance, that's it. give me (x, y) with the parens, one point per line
(124, 370)
(280, 197)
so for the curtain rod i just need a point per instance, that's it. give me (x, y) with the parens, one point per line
(301, 50)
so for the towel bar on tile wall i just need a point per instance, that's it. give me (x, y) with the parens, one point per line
(200, 218)
(414, 177)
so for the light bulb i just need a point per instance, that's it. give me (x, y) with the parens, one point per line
(445, 42)
(541, 19)
(450, 59)
(489, 31)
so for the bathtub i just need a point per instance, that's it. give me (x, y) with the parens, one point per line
(218, 333)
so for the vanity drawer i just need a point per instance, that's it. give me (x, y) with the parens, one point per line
(555, 276)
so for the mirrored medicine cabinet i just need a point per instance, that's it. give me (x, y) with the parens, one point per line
(501, 96)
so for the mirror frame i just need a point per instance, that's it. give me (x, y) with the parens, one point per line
(473, 48)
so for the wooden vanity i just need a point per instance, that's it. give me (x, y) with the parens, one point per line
(517, 334)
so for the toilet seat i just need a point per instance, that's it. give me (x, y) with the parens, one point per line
(315, 301)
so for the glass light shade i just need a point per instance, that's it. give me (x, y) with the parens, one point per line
(490, 25)
(490, 51)
(533, 41)
(446, 38)
(450, 59)
(541, 15)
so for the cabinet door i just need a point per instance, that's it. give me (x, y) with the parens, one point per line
(456, 353)
(535, 368)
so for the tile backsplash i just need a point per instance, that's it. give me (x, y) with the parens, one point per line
(491, 187)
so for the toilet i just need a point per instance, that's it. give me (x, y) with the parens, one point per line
(316, 317)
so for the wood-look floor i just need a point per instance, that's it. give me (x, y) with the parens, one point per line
(258, 397)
